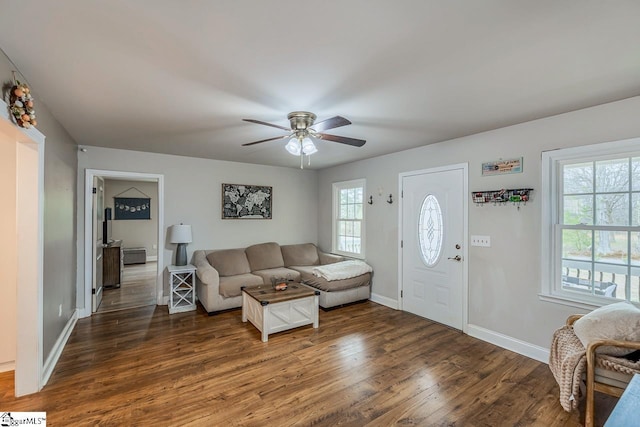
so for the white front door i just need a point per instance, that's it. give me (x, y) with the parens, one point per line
(432, 244)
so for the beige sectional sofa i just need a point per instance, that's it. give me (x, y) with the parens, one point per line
(222, 274)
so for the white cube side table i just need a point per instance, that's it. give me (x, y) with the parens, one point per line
(182, 288)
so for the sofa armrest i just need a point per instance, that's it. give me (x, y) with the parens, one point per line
(205, 271)
(326, 258)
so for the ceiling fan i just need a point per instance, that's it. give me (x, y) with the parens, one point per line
(303, 128)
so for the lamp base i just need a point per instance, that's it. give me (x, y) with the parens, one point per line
(181, 254)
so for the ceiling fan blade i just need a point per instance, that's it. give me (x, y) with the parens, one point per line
(342, 139)
(333, 122)
(265, 140)
(267, 124)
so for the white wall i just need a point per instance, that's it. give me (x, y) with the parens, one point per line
(134, 233)
(8, 252)
(504, 280)
(193, 196)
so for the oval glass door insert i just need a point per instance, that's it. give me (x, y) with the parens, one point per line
(430, 231)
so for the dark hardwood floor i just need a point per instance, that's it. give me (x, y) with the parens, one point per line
(366, 365)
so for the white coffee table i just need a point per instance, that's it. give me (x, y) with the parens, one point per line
(274, 311)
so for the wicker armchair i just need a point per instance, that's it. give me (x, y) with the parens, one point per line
(606, 374)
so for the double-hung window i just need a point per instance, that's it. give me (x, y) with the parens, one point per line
(591, 223)
(348, 218)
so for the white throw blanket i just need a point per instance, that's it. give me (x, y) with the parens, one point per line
(342, 270)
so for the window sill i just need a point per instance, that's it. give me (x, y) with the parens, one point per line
(570, 302)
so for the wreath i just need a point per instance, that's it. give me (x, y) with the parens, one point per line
(21, 105)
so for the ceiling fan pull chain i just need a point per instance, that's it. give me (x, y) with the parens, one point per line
(301, 160)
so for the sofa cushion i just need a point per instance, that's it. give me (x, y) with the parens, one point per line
(232, 286)
(308, 278)
(329, 258)
(229, 262)
(281, 272)
(264, 256)
(303, 254)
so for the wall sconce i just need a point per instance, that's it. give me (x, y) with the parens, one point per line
(390, 199)
(370, 201)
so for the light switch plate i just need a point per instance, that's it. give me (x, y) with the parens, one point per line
(483, 241)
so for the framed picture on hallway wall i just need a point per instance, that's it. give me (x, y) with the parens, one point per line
(240, 201)
(132, 208)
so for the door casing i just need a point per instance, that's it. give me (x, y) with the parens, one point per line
(88, 234)
(31, 374)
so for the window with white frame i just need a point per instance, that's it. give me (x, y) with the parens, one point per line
(348, 218)
(591, 223)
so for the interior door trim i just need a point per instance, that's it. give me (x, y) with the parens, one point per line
(85, 286)
(465, 232)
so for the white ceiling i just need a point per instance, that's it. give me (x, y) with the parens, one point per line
(177, 77)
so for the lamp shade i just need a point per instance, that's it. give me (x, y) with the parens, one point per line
(293, 146)
(180, 234)
(308, 147)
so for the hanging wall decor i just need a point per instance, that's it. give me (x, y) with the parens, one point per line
(500, 167)
(21, 105)
(246, 201)
(132, 208)
(515, 196)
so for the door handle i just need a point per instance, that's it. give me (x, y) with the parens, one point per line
(456, 258)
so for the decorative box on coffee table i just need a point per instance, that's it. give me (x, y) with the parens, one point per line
(182, 288)
(274, 311)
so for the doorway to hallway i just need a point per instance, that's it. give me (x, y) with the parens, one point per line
(126, 284)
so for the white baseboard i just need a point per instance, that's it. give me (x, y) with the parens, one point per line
(8, 366)
(56, 351)
(533, 351)
(386, 301)
(152, 258)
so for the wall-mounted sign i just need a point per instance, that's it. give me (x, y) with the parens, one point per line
(500, 167)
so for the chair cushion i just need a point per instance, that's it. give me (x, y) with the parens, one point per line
(303, 254)
(264, 256)
(232, 286)
(619, 321)
(229, 262)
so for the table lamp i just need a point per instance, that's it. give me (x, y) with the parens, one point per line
(180, 234)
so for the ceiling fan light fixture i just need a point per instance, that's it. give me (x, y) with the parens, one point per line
(293, 146)
(308, 147)
(303, 130)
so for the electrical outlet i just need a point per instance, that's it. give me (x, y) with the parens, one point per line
(60, 310)
(155, 246)
(484, 241)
